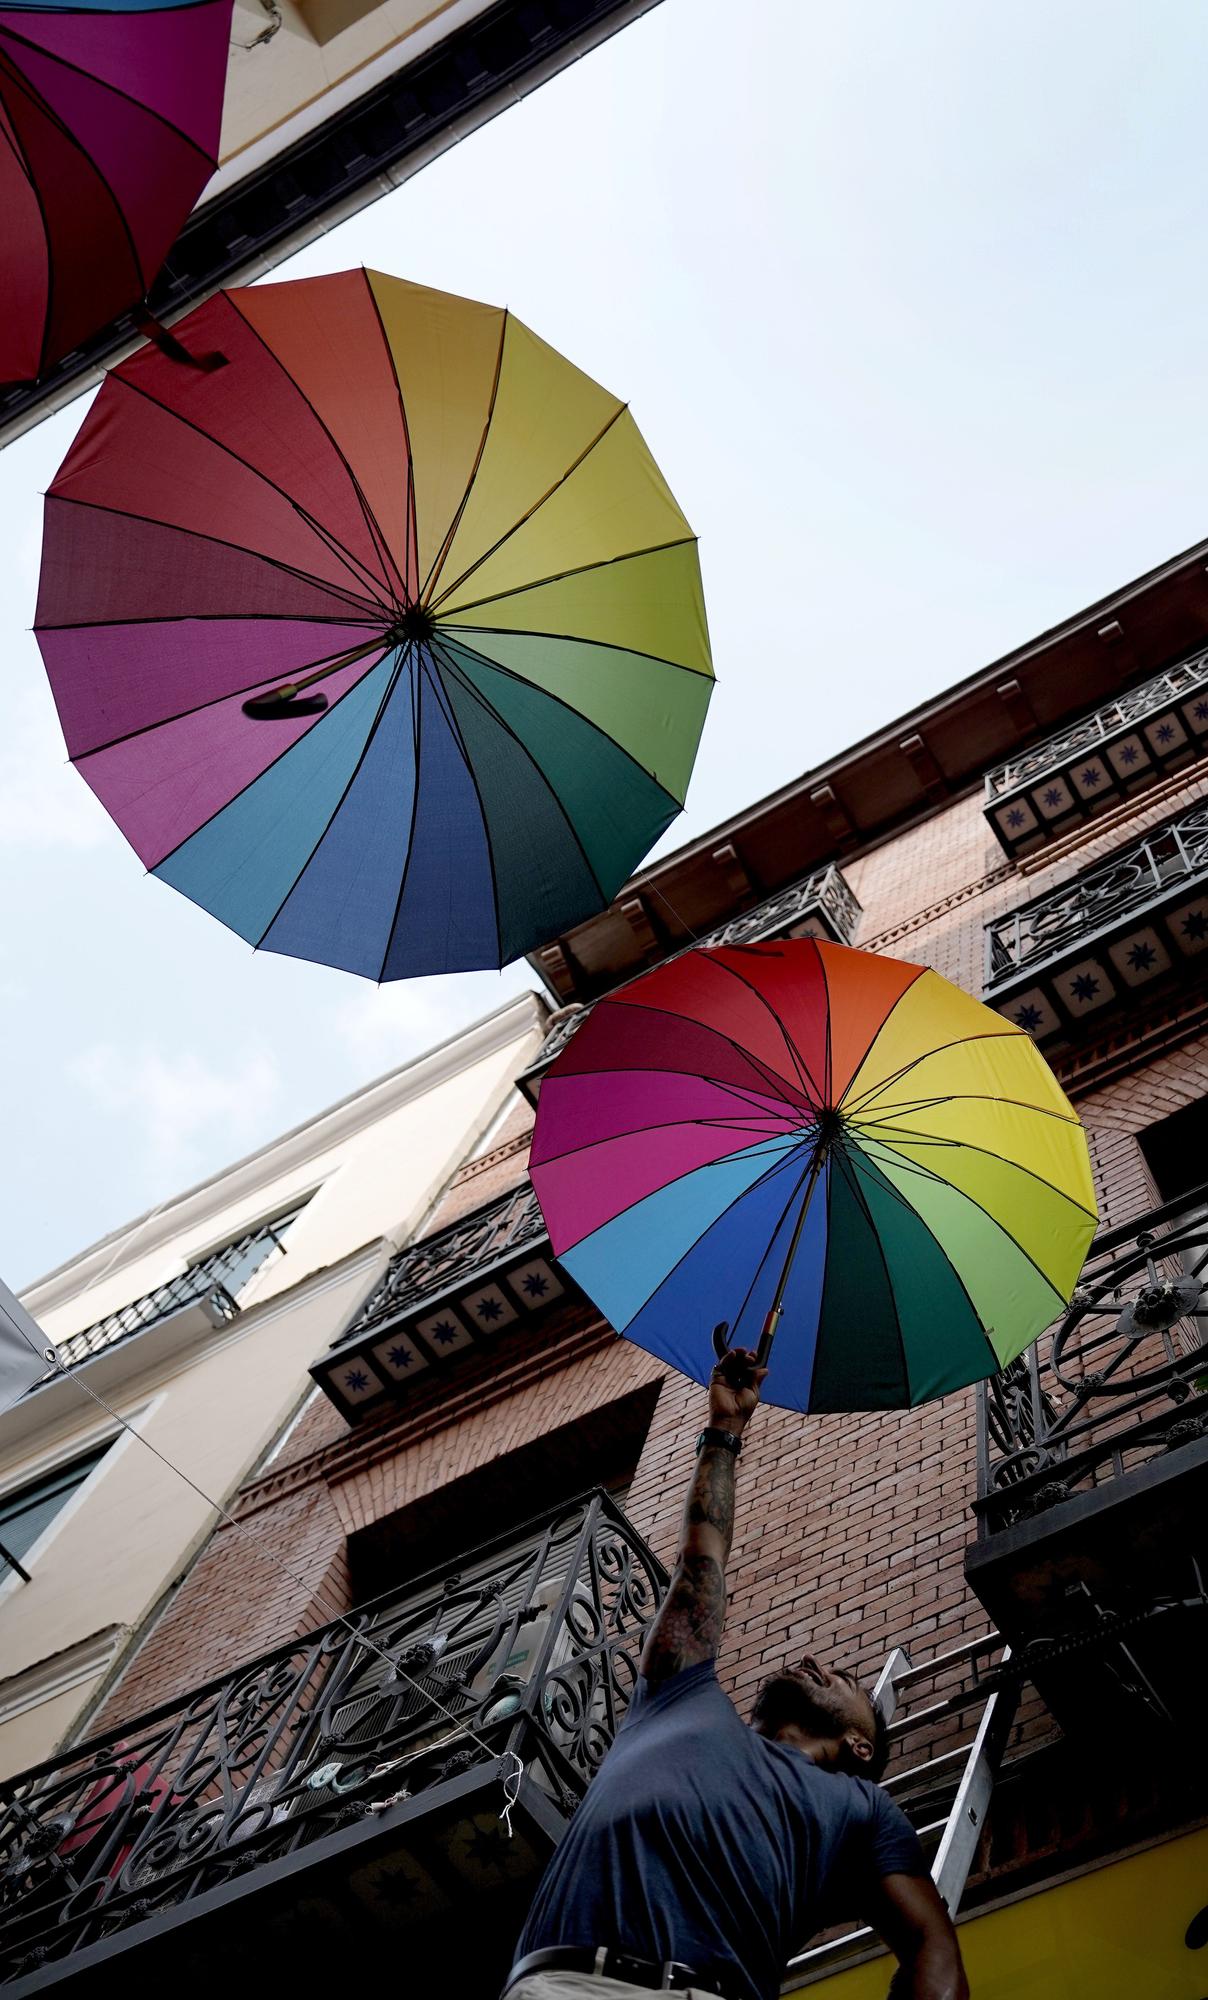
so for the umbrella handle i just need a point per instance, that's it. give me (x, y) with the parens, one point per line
(721, 1341)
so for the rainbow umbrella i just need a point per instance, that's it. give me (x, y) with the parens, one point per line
(801, 1136)
(109, 114)
(384, 642)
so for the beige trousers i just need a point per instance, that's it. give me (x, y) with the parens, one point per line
(585, 1986)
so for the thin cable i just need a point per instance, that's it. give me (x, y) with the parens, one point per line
(461, 1727)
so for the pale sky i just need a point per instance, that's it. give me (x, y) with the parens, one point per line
(911, 303)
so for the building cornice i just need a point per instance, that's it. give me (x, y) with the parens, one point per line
(257, 1173)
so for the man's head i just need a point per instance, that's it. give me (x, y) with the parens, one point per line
(824, 1710)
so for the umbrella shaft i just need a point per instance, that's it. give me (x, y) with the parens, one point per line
(776, 1308)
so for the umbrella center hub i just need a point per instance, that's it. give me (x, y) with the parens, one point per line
(412, 627)
(827, 1127)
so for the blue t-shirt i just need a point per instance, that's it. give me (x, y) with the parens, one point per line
(702, 1841)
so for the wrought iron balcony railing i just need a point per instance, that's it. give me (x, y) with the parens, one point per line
(1120, 1381)
(530, 1647)
(1100, 758)
(440, 1298)
(217, 1279)
(1106, 935)
(820, 905)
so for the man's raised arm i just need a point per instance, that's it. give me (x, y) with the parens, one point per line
(688, 1627)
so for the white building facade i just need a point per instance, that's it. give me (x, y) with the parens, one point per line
(196, 1326)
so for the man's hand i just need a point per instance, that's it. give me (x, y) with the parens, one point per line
(908, 1913)
(734, 1388)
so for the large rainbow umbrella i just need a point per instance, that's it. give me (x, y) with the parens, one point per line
(383, 642)
(841, 1150)
(109, 120)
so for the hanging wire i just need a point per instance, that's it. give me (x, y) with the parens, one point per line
(511, 1779)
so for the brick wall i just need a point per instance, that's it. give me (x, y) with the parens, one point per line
(851, 1531)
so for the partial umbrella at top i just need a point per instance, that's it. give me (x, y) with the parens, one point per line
(384, 642)
(110, 113)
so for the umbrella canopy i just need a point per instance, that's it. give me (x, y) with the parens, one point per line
(384, 642)
(110, 110)
(904, 1154)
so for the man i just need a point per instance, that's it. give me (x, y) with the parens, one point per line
(707, 1851)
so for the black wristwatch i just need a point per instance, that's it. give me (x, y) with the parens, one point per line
(725, 1440)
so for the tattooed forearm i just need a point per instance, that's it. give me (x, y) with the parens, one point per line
(711, 1498)
(688, 1628)
(689, 1625)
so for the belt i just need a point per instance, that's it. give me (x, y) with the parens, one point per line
(606, 1962)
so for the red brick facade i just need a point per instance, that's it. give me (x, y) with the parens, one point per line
(851, 1531)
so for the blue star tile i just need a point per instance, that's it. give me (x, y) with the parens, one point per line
(1090, 776)
(1142, 957)
(1029, 1018)
(1165, 732)
(1129, 754)
(444, 1331)
(1052, 797)
(488, 1309)
(356, 1380)
(1195, 925)
(1015, 817)
(401, 1357)
(1085, 986)
(535, 1285)
(1201, 711)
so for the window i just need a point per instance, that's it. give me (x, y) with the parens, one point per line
(25, 1513)
(1176, 1150)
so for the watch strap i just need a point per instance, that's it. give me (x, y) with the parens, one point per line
(724, 1440)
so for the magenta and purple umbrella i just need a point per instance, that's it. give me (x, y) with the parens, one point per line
(109, 115)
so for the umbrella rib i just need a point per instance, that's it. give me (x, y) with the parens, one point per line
(913, 1104)
(734, 1125)
(411, 516)
(435, 602)
(778, 1083)
(937, 1048)
(105, 83)
(391, 683)
(802, 1182)
(454, 727)
(268, 680)
(271, 765)
(875, 1233)
(442, 552)
(806, 1074)
(925, 1173)
(563, 575)
(761, 1180)
(406, 868)
(35, 99)
(984, 1152)
(909, 1210)
(447, 639)
(484, 704)
(376, 534)
(570, 638)
(809, 1388)
(351, 563)
(336, 590)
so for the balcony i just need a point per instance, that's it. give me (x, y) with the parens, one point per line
(195, 1301)
(1101, 759)
(341, 1797)
(1093, 1481)
(1109, 937)
(451, 1294)
(821, 905)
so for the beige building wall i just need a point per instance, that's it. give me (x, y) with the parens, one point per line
(213, 1400)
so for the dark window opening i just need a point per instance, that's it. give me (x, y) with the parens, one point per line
(25, 1513)
(1176, 1150)
(601, 1448)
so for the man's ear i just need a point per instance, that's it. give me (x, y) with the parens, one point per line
(858, 1747)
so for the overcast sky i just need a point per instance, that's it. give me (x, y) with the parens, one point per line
(912, 306)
